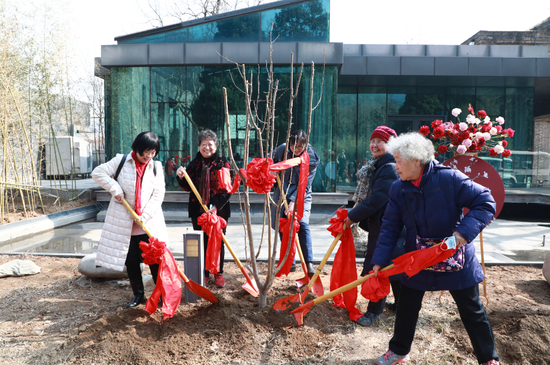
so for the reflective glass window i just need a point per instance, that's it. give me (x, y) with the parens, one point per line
(129, 108)
(245, 28)
(372, 113)
(459, 97)
(174, 36)
(347, 138)
(304, 22)
(519, 116)
(490, 99)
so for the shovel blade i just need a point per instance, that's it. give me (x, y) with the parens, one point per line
(300, 316)
(302, 281)
(317, 287)
(285, 303)
(201, 291)
(253, 291)
(301, 311)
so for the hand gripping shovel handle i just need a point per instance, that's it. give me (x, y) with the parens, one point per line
(194, 287)
(252, 288)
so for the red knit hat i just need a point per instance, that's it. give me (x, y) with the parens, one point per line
(383, 132)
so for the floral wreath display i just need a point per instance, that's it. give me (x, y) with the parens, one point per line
(477, 134)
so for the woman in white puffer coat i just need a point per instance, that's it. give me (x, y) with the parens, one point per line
(141, 182)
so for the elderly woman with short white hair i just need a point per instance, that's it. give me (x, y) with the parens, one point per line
(429, 199)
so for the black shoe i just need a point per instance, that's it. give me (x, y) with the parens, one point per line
(368, 319)
(138, 299)
(293, 268)
(391, 306)
(310, 269)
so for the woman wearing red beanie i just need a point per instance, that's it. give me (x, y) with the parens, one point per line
(371, 196)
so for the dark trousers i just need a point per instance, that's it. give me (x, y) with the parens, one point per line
(197, 227)
(471, 312)
(133, 262)
(306, 242)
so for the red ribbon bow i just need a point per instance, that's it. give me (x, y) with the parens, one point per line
(168, 279)
(213, 226)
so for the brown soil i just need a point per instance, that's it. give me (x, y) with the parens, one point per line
(17, 212)
(61, 317)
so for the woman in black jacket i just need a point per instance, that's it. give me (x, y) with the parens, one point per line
(204, 173)
(371, 196)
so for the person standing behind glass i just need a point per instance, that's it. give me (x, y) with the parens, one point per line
(141, 183)
(297, 146)
(371, 197)
(204, 173)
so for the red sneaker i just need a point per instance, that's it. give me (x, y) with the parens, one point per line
(219, 280)
(206, 281)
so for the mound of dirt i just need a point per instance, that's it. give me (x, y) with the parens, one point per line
(58, 316)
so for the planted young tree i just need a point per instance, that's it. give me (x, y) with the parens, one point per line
(261, 115)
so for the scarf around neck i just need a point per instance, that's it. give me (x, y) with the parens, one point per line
(140, 170)
(364, 180)
(205, 181)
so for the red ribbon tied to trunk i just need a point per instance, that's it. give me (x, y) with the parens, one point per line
(258, 177)
(284, 226)
(213, 226)
(411, 263)
(344, 267)
(168, 279)
(284, 223)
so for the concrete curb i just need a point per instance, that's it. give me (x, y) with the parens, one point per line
(30, 227)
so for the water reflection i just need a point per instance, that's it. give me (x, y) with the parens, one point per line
(66, 245)
(522, 255)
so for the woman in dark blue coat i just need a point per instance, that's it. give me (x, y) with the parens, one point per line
(429, 199)
(371, 196)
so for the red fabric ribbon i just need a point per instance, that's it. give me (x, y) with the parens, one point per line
(140, 169)
(213, 226)
(258, 177)
(284, 226)
(411, 263)
(285, 223)
(224, 175)
(344, 269)
(168, 279)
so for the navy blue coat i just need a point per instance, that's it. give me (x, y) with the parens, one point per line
(279, 156)
(437, 205)
(369, 212)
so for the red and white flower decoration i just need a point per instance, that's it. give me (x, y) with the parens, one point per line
(477, 134)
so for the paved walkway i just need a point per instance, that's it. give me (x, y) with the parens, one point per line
(504, 241)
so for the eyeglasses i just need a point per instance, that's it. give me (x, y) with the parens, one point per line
(376, 142)
(149, 153)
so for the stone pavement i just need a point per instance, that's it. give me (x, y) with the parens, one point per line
(504, 241)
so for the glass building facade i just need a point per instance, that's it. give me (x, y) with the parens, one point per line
(406, 108)
(177, 101)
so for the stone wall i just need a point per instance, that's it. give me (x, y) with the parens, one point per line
(541, 132)
(539, 35)
(541, 144)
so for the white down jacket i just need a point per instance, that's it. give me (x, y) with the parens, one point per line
(117, 229)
